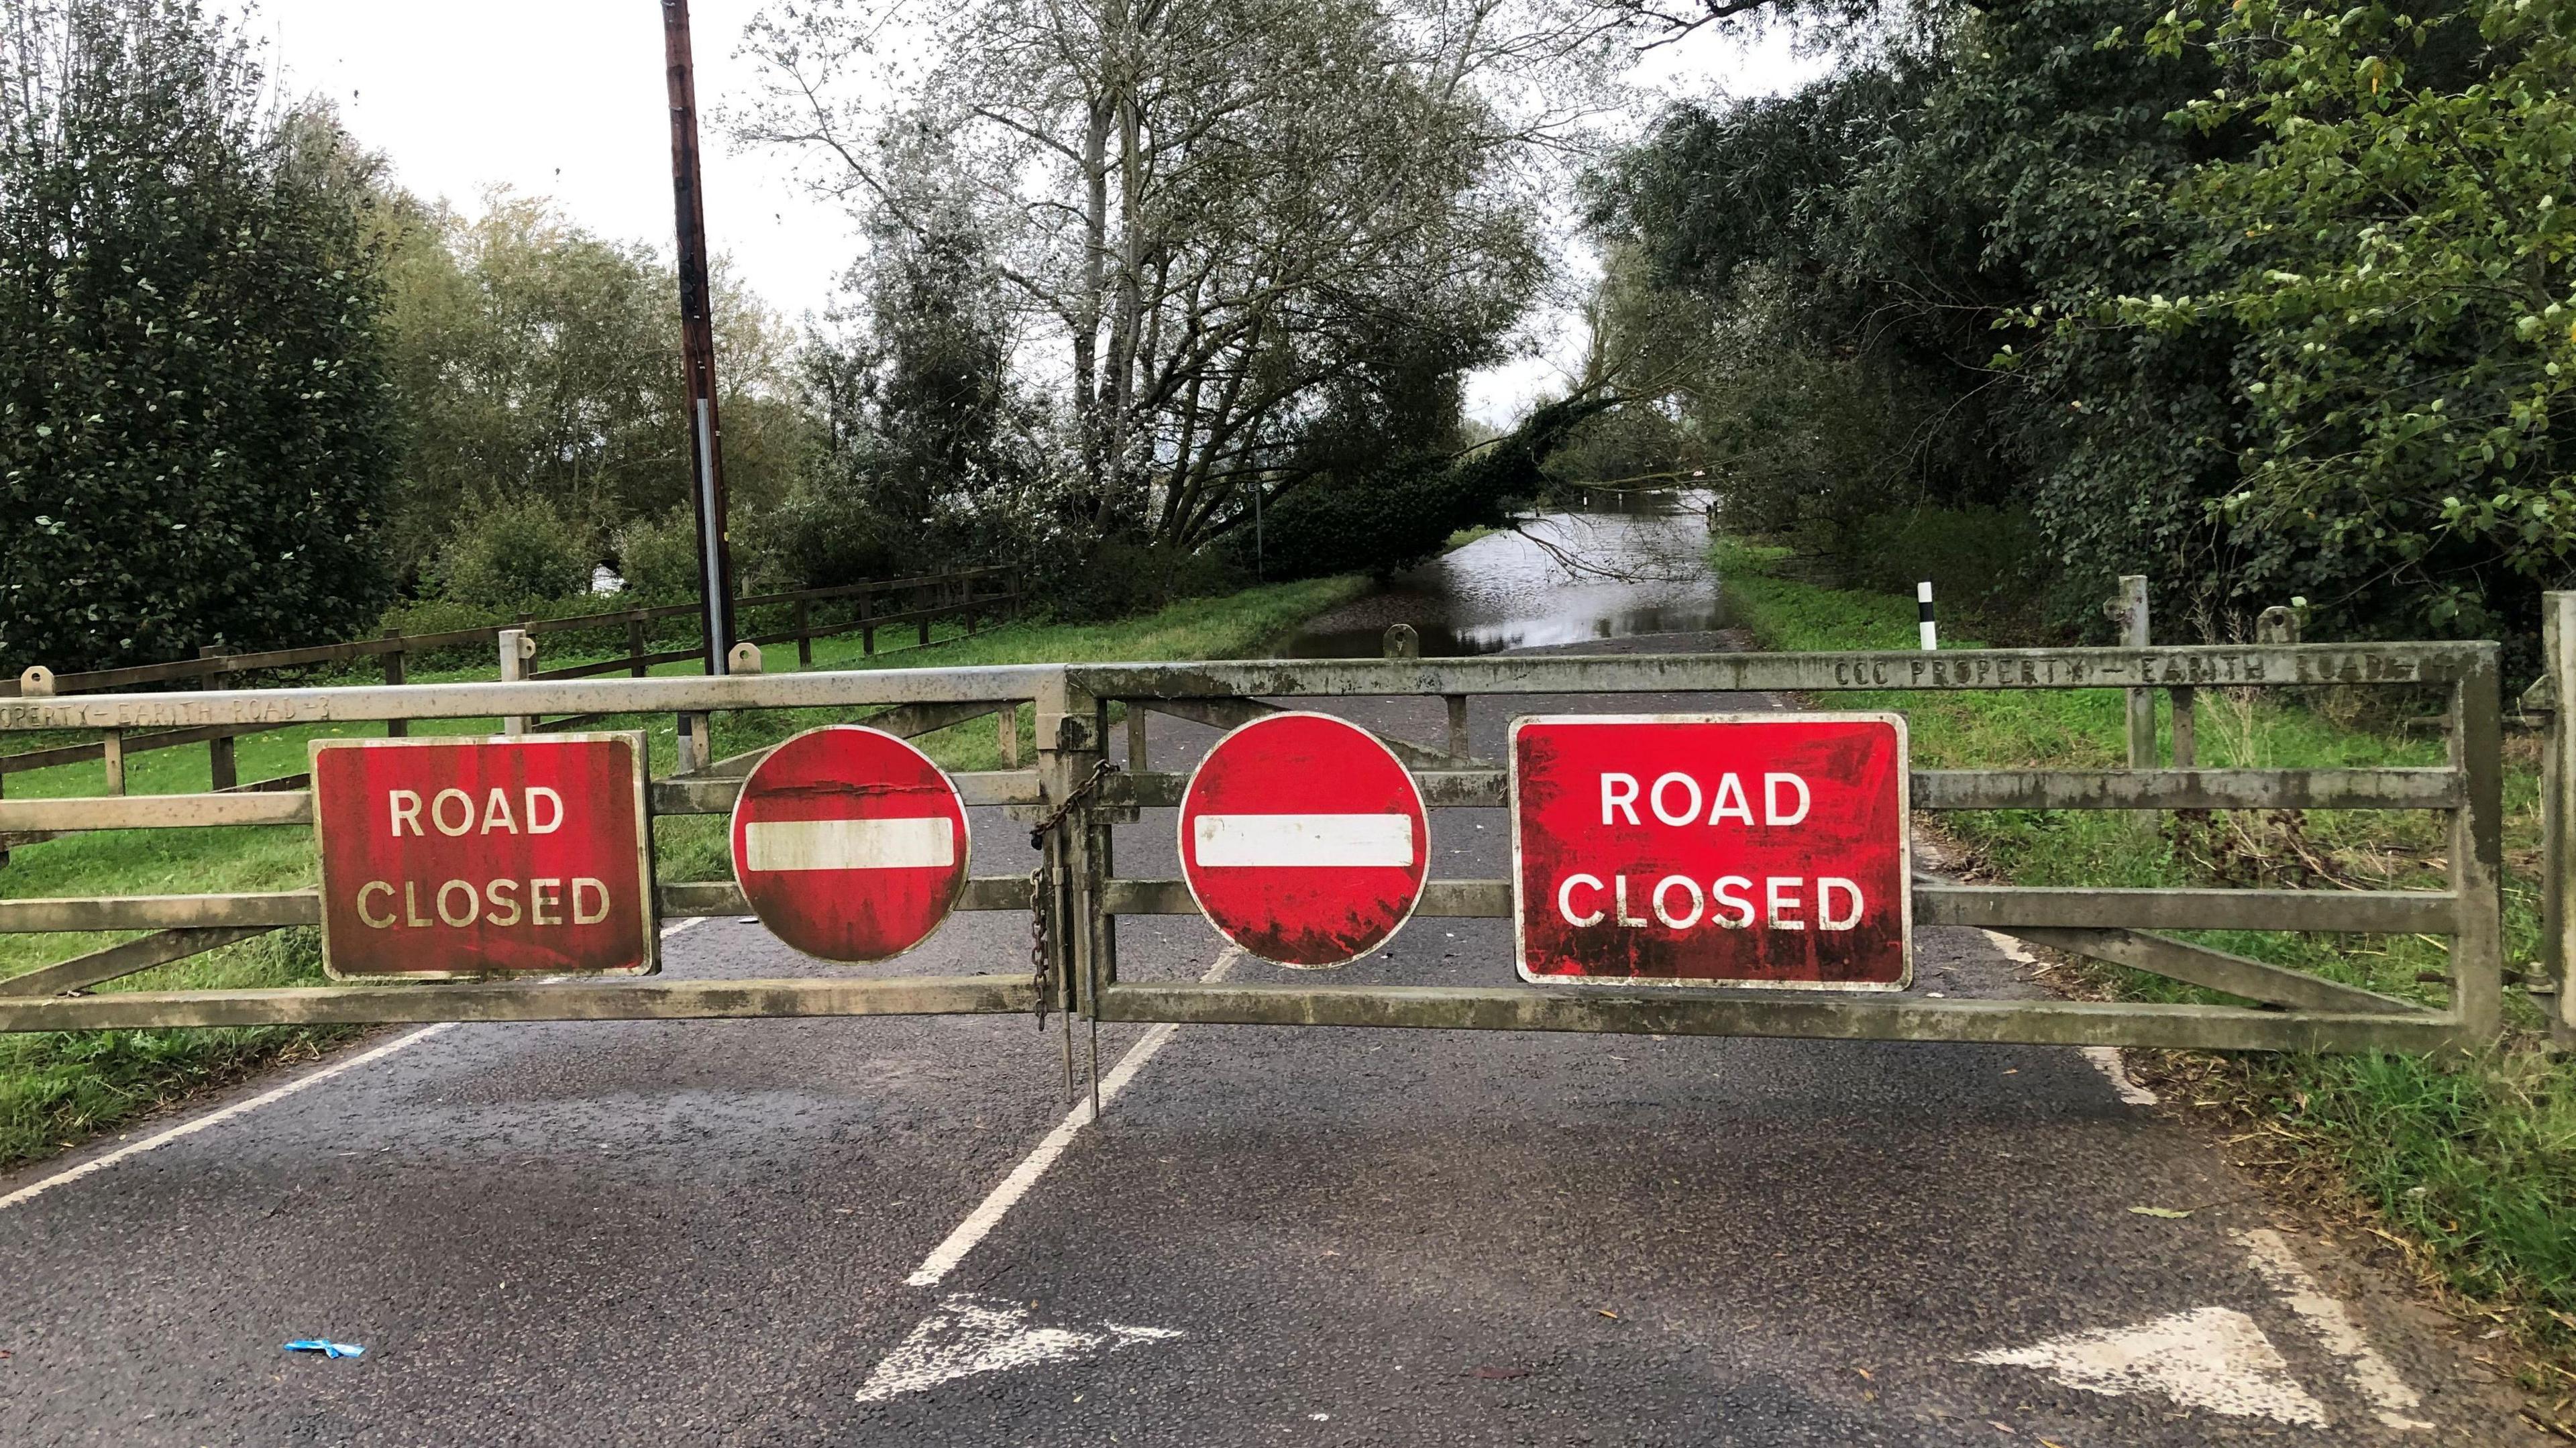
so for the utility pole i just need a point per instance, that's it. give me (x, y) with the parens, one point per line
(698, 343)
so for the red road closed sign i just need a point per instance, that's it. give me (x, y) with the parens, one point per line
(850, 843)
(1304, 840)
(1716, 849)
(448, 858)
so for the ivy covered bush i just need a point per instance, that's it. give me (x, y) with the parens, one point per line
(195, 433)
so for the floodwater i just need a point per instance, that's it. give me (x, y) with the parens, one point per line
(1562, 578)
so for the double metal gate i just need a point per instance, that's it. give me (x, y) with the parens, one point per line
(1083, 894)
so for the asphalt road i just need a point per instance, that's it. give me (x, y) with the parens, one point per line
(716, 1232)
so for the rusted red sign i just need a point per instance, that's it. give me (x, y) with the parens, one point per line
(850, 843)
(1304, 840)
(1712, 849)
(446, 858)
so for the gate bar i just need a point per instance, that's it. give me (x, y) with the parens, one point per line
(2347, 912)
(1873, 1018)
(646, 999)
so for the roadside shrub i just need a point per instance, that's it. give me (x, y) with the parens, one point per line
(821, 536)
(196, 436)
(658, 557)
(516, 553)
(1992, 565)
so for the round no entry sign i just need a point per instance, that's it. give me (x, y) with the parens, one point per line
(850, 844)
(1304, 840)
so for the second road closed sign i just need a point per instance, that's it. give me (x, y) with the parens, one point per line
(1720, 849)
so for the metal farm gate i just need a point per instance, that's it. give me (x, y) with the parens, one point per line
(1077, 793)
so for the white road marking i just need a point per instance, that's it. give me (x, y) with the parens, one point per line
(243, 1108)
(2009, 948)
(919, 842)
(217, 1118)
(988, 1214)
(1274, 841)
(966, 1336)
(2105, 1059)
(2332, 1323)
(2211, 1357)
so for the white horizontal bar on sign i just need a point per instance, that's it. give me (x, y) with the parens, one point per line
(1290, 840)
(918, 843)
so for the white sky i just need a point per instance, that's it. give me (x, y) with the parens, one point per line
(564, 98)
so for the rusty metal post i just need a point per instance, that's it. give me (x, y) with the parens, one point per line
(1070, 739)
(222, 770)
(2557, 815)
(395, 728)
(698, 343)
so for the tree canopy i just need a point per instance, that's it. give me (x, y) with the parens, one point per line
(2264, 303)
(196, 433)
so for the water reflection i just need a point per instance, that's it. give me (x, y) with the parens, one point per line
(1568, 577)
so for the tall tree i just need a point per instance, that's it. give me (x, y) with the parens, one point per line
(195, 429)
(1219, 218)
(534, 359)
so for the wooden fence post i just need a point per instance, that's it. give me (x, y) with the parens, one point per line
(924, 600)
(517, 648)
(1009, 731)
(2557, 814)
(222, 771)
(804, 632)
(113, 742)
(635, 643)
(395, 728)
(867, 631)
(696, 744)
(2131, 611)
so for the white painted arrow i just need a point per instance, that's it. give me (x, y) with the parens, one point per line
(966, 1336)
(2212, 1357)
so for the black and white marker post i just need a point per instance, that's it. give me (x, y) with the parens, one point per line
(1923, 605)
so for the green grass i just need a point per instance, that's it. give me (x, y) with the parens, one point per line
(57, 1088)
(2475, 1160)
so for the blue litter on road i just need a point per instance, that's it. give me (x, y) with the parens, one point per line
(324, 1346)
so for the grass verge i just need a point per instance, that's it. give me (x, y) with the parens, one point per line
(58, 1088)
(2469, 1165)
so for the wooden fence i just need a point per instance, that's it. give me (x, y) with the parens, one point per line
(971, 594)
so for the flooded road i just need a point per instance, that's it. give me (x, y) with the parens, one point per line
(1560, 578)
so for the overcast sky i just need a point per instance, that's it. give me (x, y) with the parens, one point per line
(564, 98)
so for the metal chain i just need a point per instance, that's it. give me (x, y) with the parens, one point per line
(1039, 975)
